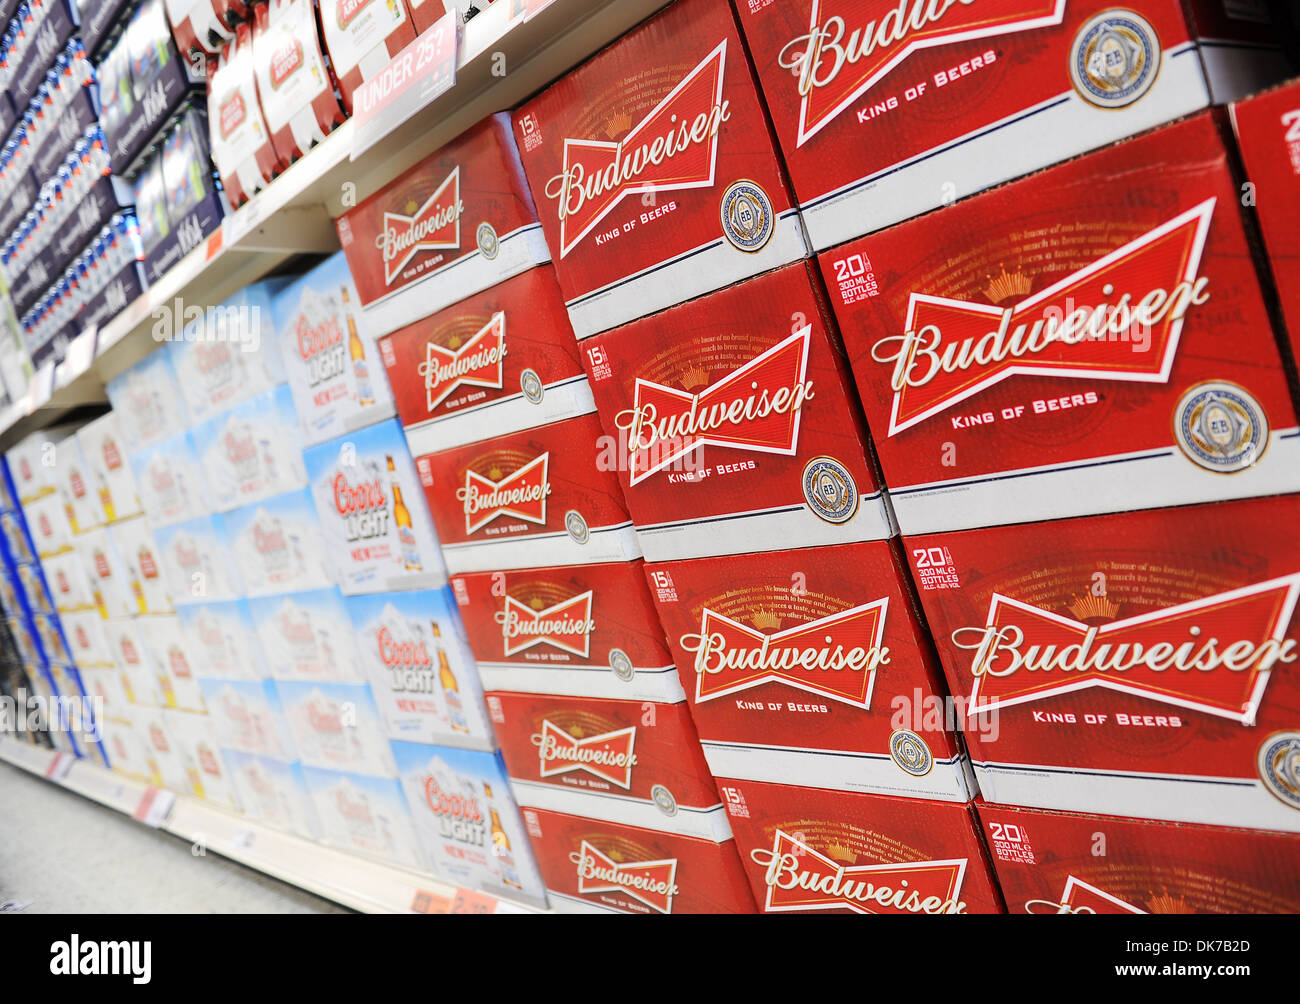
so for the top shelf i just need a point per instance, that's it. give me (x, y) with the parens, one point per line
(499, 64)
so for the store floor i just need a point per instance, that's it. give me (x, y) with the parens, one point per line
(61, 853)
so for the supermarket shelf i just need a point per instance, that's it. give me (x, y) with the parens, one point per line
(499, 65)
(355, 882)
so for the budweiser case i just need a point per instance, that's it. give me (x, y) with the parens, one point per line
(809, 850)
(543, 496)
(886, 110)
(1135, 665)
(600, 867)
(576, 631)
(809, 667)
(373, 512)
(467, 821)
(654, 170)
(1064, 862)
(1268, 135)
(420, 669)
(631, 762)
(455, 224)
(1115, 331)
(734, 426)
(503, 359)
(329, 354)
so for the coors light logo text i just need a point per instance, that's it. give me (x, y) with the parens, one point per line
(673, 148)
(477, 363)
(1212, 655)
(1080, 327)
(608, 756)
(434, 226)
(521, 494)
(566, 625)
(653, 883)
(410, 669)
(756, 407)
(321, 348)
(459, 816)
(364, 507)
(852, 45)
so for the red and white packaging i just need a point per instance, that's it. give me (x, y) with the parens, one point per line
(503, 360)
(426, 13)
(1060, 348)
(453, 225)
(361, 36)
(205, 770)
(1139, 664)
(104, 449)
(87, 641)
(34, 460)
(654, 170)
(164, 645)
(631, 762)
(576, 631)
(70, 586)
(1241, 46)
(810, 667)
(601, 867)
(238, 137)
(530, 499)
(809, 850)
(1268, 135)
(735, 425)
(75, 484)
(293, 79)
(142, 564)
(108, 573)
(133, 667)
(47, 522)
(1048, 862)
(885, 111)
(204, 25)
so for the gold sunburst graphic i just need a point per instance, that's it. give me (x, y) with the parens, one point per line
(1006, 285)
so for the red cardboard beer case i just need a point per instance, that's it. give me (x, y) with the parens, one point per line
(1047, 862)
(1139, 664)
(735, 423)
(591, 866)
(458, 222)
(242, 149)
(538, 497)
(1062, 347)
(888, 109)
(810, 850)
(361, 36)
(503, 360)
(654, 170)
(632, 762)
(810, 667)
(1268, 134)
(574, 630)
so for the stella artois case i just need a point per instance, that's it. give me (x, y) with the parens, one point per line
(1139, 664)
(631, 762)
(361, 37)
(373, 512)
(453, 225)
(735, 425)
(204, 25)
(467, 821)
(1060, 347)
(329, 353)
(1268, 134)
(1067, 862)
(503, 359)
(575, 631)
(238, 136)
(887, 110)
(534, 498)
(294, 82)
(810, 850)
(810, 667)
(654, 170)
(592, 866)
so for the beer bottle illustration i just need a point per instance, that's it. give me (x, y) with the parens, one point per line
(137, 590)
(105, 498)
(365, 393)
(409, 550)
(451, 690)
(501, 844)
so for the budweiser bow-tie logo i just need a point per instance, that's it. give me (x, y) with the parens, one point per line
(434, 226)
(653, 883)
(835, 657)
(673, 148)
(566, 625)
(756, 408)
(1212, 655)
(608, 756)
(521, 494)
(1119, 318)
(799, 878)
(1080, 897)
(477, 363)
(852, 45)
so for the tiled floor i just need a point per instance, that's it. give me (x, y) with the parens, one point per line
(61, 853)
